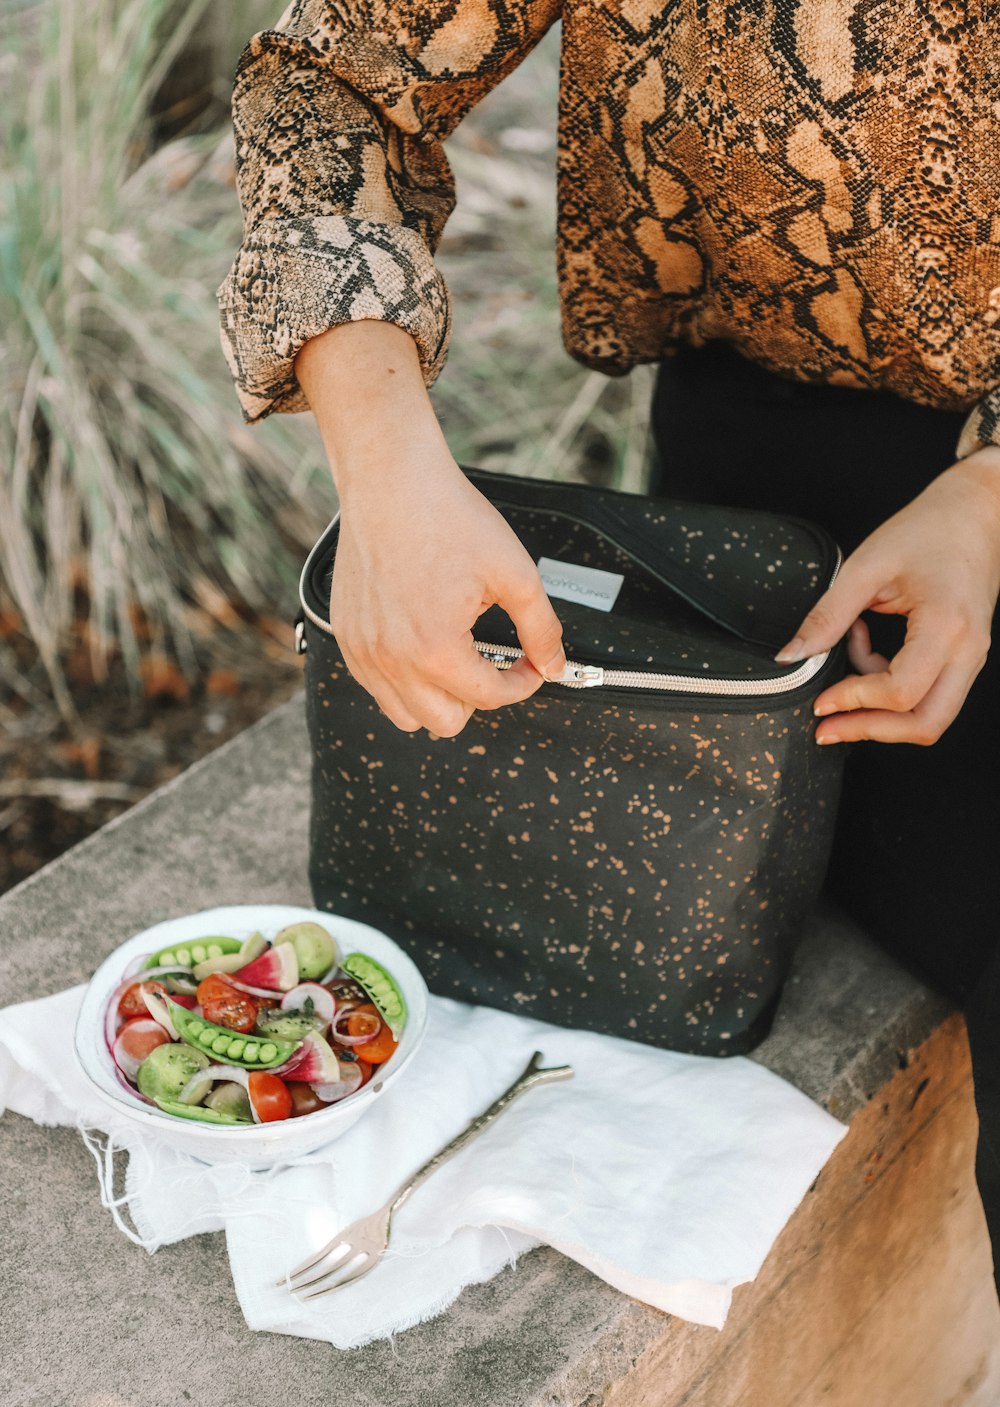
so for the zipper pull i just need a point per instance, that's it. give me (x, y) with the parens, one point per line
(585, 675)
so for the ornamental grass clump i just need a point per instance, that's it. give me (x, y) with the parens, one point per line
(129, 485)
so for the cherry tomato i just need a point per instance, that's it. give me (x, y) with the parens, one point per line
(305, 1100)
(381, 1045)
(269, 1096)
(141, 1035)
(213, 988)
(237, 1012)
(131, 1004)
(366, 1072)
(225, 1005)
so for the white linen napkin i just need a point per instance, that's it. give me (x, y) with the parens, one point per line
(667, 1175)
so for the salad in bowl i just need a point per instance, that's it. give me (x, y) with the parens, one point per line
(251, 1028)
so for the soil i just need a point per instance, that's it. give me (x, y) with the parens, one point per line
(61, 778)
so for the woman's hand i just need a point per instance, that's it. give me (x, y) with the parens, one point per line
(936, 562)
(421, 552)
(416, 565)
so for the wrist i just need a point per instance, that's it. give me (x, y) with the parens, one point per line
(981, 472)
(365, 386)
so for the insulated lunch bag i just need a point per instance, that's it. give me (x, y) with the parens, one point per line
(633, 850)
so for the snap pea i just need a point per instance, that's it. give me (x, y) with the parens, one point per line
(199, 1112)
(188, 954)
(230, 1047)
(381, 986)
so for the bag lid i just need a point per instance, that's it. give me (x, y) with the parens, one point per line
(703, 591)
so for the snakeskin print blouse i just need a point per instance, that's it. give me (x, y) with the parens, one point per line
(816, 183)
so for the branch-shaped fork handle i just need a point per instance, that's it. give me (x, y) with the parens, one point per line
(365, 1239)
(533, 1074)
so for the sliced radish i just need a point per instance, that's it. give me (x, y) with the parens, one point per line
(277, 969)
(134, 1042)
(314, 1061)
(323, 1004)
(350, 1080)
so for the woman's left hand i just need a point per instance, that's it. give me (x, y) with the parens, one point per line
(936, 562)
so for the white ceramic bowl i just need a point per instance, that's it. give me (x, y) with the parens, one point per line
(259, 1145)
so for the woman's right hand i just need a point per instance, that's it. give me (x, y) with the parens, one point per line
(421, 552)
(421, 555)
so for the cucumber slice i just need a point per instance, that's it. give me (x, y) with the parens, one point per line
(288, 1025)
(381, 986)
(231, 1100)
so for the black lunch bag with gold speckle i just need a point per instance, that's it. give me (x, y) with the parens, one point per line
(633, 849)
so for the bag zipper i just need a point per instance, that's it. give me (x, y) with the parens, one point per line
(578, 675)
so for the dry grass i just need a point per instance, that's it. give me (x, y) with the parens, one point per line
(128, 481)
(126, 473)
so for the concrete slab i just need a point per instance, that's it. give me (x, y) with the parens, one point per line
(96, 1322)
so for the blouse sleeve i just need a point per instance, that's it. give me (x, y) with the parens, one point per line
(339, 115)
(983, 425)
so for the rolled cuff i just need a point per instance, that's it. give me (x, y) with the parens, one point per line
(982, 427)
(295, 278)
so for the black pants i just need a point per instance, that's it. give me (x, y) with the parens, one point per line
(917, 845)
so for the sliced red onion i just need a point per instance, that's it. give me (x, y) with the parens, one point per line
(253, 991)
(136, 1093)
(199, 1085)
(111, 1024)
(136, 965)
(174, 970)
(355, 1040)
(323, 1001)
(350, 1080)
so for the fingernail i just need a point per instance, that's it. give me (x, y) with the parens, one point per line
(555, 669)
(828, 738)
(792, 652)
(821, 710)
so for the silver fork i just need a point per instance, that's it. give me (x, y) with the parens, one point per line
(365, 1240)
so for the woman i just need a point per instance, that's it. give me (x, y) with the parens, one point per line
(793, 209)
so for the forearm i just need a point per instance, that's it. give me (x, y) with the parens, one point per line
(364, 384)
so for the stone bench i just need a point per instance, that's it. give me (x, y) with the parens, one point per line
(878, 1292)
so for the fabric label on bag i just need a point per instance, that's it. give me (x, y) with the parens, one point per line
(587, 586)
